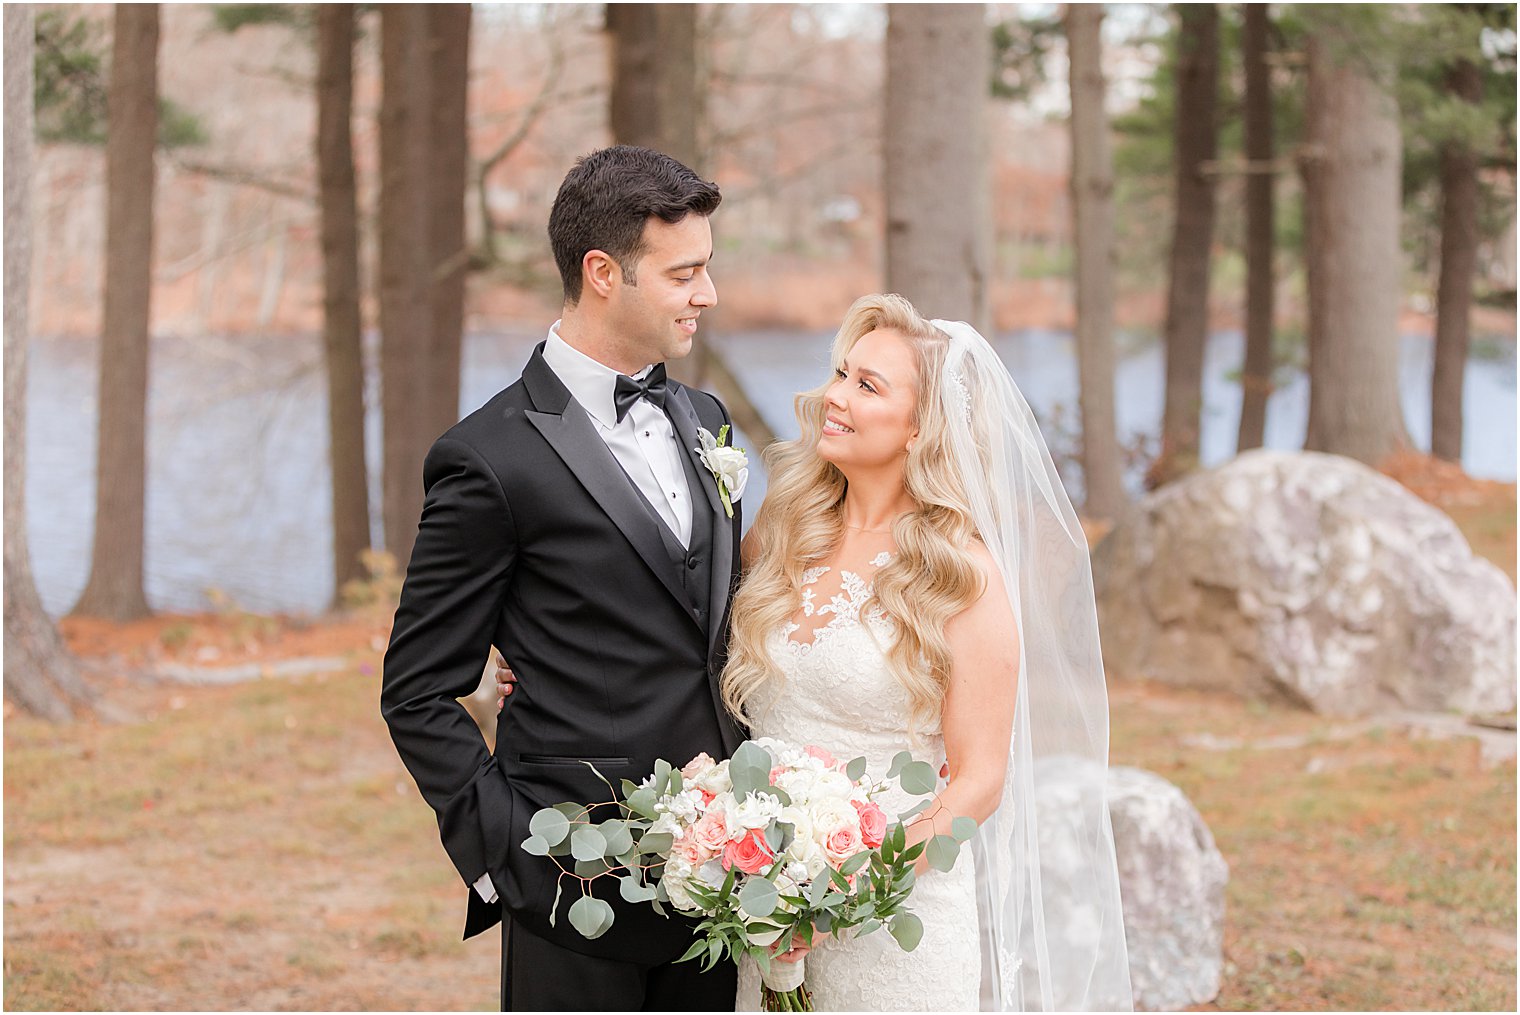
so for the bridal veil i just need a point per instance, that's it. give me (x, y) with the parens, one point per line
(1052, 926)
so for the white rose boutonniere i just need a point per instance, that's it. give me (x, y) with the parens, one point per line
(729, 465)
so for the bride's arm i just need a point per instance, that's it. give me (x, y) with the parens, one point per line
(978, 710)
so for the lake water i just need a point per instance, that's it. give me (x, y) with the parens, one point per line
(238, 499)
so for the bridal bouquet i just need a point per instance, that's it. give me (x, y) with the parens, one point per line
(777, 845)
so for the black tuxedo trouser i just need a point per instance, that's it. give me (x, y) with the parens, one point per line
(539, 975)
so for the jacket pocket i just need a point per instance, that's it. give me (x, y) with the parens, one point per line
(559, 759)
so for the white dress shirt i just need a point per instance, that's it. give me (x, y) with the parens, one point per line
(644, 444)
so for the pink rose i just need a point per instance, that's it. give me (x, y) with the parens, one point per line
(842, 843)
(707, 797)
(777, 772)
(711, 832)
(822, 755)
(873, 823)
(751, 854)
(686, 848)
(696, 766)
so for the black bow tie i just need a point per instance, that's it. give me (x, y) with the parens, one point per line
(627, 391)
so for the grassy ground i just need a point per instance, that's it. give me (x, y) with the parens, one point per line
(259, 846)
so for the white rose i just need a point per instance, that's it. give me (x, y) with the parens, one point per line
(715, 780)
(802, 825)
(799, 784)
(675, 888)
(829, 814)
(833, 784)
(729, 464)
(810, 855)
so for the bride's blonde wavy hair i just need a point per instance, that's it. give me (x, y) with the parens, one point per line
(934, 575)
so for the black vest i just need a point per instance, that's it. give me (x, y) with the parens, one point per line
(695, 560)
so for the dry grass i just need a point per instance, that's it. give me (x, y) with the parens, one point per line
(253, 847)
(1368, 870)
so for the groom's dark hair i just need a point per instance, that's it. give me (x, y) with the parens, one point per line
(605, 200)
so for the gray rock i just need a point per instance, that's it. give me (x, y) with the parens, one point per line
(1172, 879)
(1308, 577)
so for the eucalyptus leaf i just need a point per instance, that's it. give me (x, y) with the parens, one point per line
(591, 868)
(587, 844)
(629, 788)
(907, 929)
(758, 897)
(619, 838)
(816, 891)
(868, 927)
(942, 851)
(963, 828)
(855, 769)
(550, 825)
(573, 812)
(780, 794)
(641, 802)
(918, 778)
(590, 916)
(915, 810)
(631, 891)
(656, 842)
(900, 759)
(536, 845)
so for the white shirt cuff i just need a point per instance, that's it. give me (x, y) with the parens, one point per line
(486, 889)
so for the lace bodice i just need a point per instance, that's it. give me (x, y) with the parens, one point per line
(838, 692)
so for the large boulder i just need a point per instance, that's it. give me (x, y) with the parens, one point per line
(1172, 879)
(1310, 577)
(1171, 883)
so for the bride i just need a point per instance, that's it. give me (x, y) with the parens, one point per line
(917, 580)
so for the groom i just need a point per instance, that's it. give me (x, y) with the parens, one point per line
(569, 522)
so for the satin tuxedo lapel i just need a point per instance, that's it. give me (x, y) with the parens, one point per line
(684, 418)
(573, 437)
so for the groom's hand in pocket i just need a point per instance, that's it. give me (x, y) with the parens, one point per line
(505, 678)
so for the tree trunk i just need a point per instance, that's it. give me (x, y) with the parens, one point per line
(1454, 290)
(1195, 130)
(1256, 376)
(40, 675)
(654, 103)
(1092, 201)
(447, 180)
(657, 102)
(341, 324)
(115, 588)
(656, 99)
(937, 171)
(1351, 168)
(406, 263)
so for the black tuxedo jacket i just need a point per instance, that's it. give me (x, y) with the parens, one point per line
(534, 540)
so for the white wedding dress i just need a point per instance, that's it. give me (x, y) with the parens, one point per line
(839, 694)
